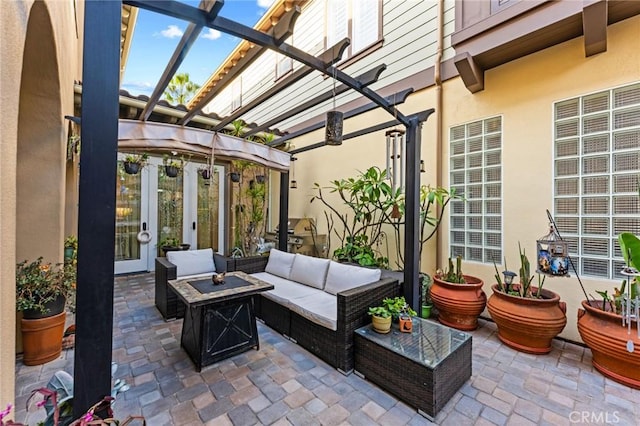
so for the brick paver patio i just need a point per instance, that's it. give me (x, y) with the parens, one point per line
(282, 384)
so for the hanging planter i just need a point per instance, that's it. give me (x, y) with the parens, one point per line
(131, 168)
(260, 178)
(171, 171)
(134, 162)
(235, 177)
(205, 173)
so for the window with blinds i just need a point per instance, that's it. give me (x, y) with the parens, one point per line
(596, 169)
(476, 173)
(360, 20)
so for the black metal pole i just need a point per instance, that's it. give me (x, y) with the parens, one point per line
(283, 222)
(412, 215)
(96, 211)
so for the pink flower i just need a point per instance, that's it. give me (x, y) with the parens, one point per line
(5, 412)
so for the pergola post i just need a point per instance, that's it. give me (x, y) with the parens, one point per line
(283, 221)
(96, 211)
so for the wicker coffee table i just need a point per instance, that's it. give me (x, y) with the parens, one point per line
(424, 368)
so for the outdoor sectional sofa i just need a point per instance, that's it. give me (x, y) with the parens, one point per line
(315, 302)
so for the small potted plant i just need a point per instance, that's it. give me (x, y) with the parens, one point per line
(41, 292)
(172, 166)
(70, 247)
(205, 172)
(133, 162)
(427, 303)
(380, 319)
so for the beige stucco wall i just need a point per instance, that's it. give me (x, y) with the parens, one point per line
(522, 92)
(34, 136)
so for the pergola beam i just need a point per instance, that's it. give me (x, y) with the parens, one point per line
(198, 16)
(365, 79)
(329, 57)
(186, 42)
(394, 99)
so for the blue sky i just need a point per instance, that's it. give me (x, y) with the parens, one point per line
(156, 36)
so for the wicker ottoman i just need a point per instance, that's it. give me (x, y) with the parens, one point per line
(424, 368)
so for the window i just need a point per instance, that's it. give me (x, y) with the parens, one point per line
(476, 172)
(236, 94)
(360, 20)
(596, 167)
(284, 64)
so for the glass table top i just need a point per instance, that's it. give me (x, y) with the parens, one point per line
(429, 343)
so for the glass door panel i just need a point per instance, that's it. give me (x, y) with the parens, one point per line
(170, 210)
(131, 214)
(208, 232)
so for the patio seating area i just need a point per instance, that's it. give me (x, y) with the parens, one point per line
(284, 384)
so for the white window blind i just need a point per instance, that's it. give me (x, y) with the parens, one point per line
(365, 22)
(476, 172)
(359, 20)
(337, 21)
(596, 169)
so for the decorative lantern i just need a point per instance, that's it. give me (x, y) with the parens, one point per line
(553, 254)
(333, 135)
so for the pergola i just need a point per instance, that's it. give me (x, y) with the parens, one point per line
(99, 132)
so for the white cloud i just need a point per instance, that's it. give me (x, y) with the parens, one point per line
(211, 34)
(265, 4)
(138, 87)
(172, 32)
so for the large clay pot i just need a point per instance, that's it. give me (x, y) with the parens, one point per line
(42, 338)
(459, 305)
(603, 333)
(526, 324)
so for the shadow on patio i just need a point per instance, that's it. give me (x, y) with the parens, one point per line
(283, 384)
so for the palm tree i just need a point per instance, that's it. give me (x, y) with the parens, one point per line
(180, 89)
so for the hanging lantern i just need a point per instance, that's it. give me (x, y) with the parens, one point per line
(333, 134)
(553, 254)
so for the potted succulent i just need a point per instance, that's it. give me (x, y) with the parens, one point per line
(609, 329)
(527, 317)
(427, 303)
(41, 292)
(458, 298)
(172, 166)
(133, 162)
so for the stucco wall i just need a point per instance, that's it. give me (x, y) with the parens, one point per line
(62, 65)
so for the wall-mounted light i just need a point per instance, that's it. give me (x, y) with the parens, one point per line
(294, 183)
(422, 169)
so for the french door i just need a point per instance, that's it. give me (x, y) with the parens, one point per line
(153, 210)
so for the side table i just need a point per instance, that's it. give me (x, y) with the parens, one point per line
(423, 368)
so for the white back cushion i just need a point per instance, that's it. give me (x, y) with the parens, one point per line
(192, 262)
(342, 277)
(280, 263)
(308, 270)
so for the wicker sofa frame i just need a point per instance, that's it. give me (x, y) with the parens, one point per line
(334, 347)
(167, 301)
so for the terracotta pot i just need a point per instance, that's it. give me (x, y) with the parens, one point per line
(526, 324)
(459, 305)
(380, 324)
(603, 333)
(42, 339)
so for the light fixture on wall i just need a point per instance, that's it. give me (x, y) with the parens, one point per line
(334, 120)
(422, 169)
(395, 158)
(294, 183)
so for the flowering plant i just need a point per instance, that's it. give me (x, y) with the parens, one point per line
(38, 283)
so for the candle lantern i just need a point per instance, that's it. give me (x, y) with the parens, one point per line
(553, 254)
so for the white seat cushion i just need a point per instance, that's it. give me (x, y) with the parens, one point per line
(342, 277)
(192, 262)
(280, 263)
(284, 290)
(319, 308)
(311, 271)
(197, 276)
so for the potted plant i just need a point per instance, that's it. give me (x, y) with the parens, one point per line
(133, 162)
(605, 328)
(527, 317)
(172, 244)
(380, 319)
(458, 298)
(172, 166)
(70, 247)
(205, 172)
(427, 303)
(41, 292)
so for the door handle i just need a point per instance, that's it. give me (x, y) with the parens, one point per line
(144, 226)
(193, 225)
